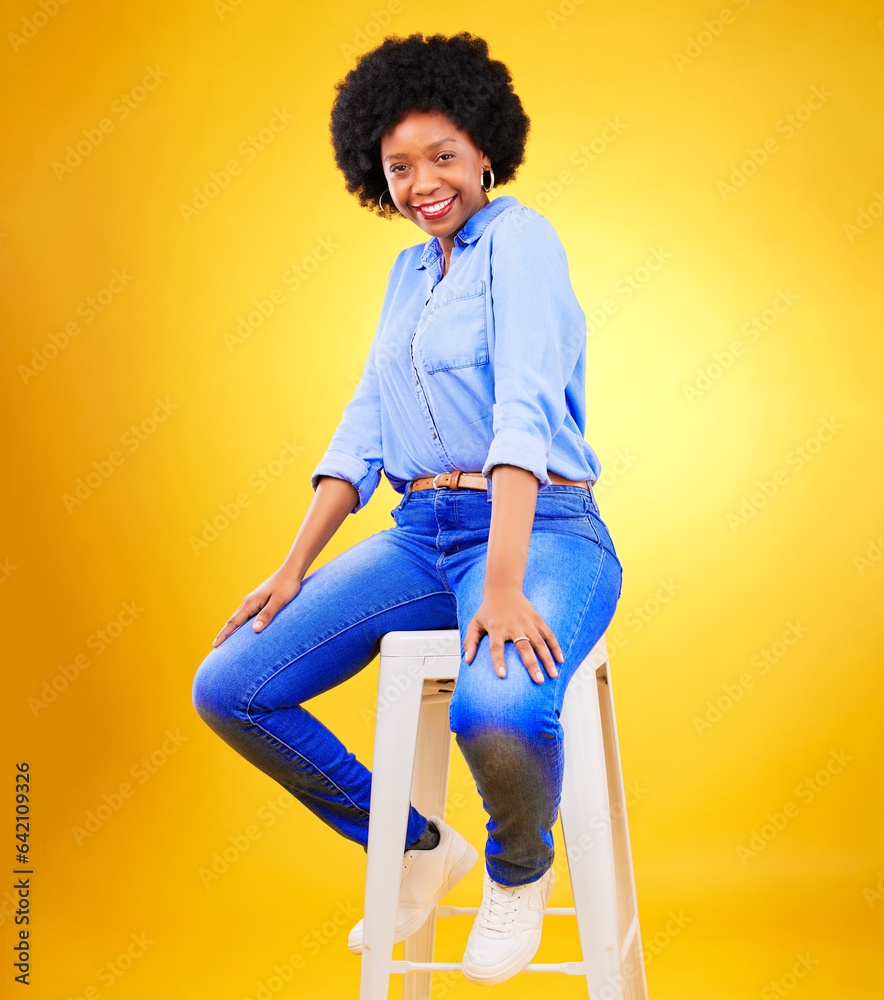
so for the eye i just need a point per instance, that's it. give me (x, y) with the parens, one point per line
(444, 154)
(395, 168)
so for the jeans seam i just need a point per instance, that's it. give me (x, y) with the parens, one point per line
(595, 583)
(560, 775)
(285, 666)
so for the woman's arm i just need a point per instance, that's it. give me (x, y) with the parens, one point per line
(332, 501)
(505, 612)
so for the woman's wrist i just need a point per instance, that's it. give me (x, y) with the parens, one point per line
(293, 570)
(513, 504)
(503, 582)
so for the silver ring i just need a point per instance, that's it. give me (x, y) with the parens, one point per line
(520, 638)
(435, 487)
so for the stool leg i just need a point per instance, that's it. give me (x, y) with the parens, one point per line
(429, 790)
(635, 982)
(394, 748)
(586, 823)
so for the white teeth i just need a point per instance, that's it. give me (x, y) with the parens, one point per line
(435, 207)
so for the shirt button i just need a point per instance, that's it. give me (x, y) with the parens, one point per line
(416, 380)
(434, 433)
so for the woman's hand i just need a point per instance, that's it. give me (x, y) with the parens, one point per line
(505, 614)
(274, 593)
(333, 499)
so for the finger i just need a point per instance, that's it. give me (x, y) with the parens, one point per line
(530, 660)
(548, 648)
(495, 648)
(266, 614)
(232, 623)
(545, 655)
(471, 640)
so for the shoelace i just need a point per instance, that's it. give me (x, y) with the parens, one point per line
(498, 907)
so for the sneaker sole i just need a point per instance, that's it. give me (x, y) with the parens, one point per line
(500, 975)
(514, 967)
(460, 870)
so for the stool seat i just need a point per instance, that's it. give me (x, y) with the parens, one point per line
(412, 748)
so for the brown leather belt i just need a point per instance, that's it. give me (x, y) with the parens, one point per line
(459, 480)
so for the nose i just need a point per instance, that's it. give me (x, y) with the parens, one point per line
(425, 180)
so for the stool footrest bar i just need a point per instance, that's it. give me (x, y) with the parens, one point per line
(566, 968)
(457, 911)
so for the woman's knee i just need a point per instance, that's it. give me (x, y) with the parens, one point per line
(487, 706)
(217, 691)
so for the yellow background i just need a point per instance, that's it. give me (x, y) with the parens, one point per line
(692, 102)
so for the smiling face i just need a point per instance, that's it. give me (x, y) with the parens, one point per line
(434, 173)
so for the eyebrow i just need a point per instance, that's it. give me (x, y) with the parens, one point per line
(403, 156)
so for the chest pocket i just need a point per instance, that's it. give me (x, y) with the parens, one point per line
(453, 332)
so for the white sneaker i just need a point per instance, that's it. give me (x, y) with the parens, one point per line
(426, 878)
(506, 933)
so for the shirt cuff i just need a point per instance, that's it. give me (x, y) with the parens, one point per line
(514, 447)
(343, 466)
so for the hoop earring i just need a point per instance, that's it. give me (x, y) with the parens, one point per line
(482, 180)
(386, 211)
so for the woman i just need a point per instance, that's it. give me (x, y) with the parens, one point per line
(475, 376)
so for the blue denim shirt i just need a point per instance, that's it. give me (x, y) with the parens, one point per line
(483, 367)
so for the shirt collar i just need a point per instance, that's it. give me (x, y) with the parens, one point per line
(472, 229)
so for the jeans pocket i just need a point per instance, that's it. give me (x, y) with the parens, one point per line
(562, 503)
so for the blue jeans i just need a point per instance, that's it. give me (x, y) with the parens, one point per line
(427, 572)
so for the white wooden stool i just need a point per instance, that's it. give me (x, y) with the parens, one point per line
(412, 747)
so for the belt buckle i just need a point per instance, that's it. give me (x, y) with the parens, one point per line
(435, 487)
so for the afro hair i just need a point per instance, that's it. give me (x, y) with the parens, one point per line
(453, 76)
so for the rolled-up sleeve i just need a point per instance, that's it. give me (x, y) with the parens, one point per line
(355, 452)
(539, 332)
